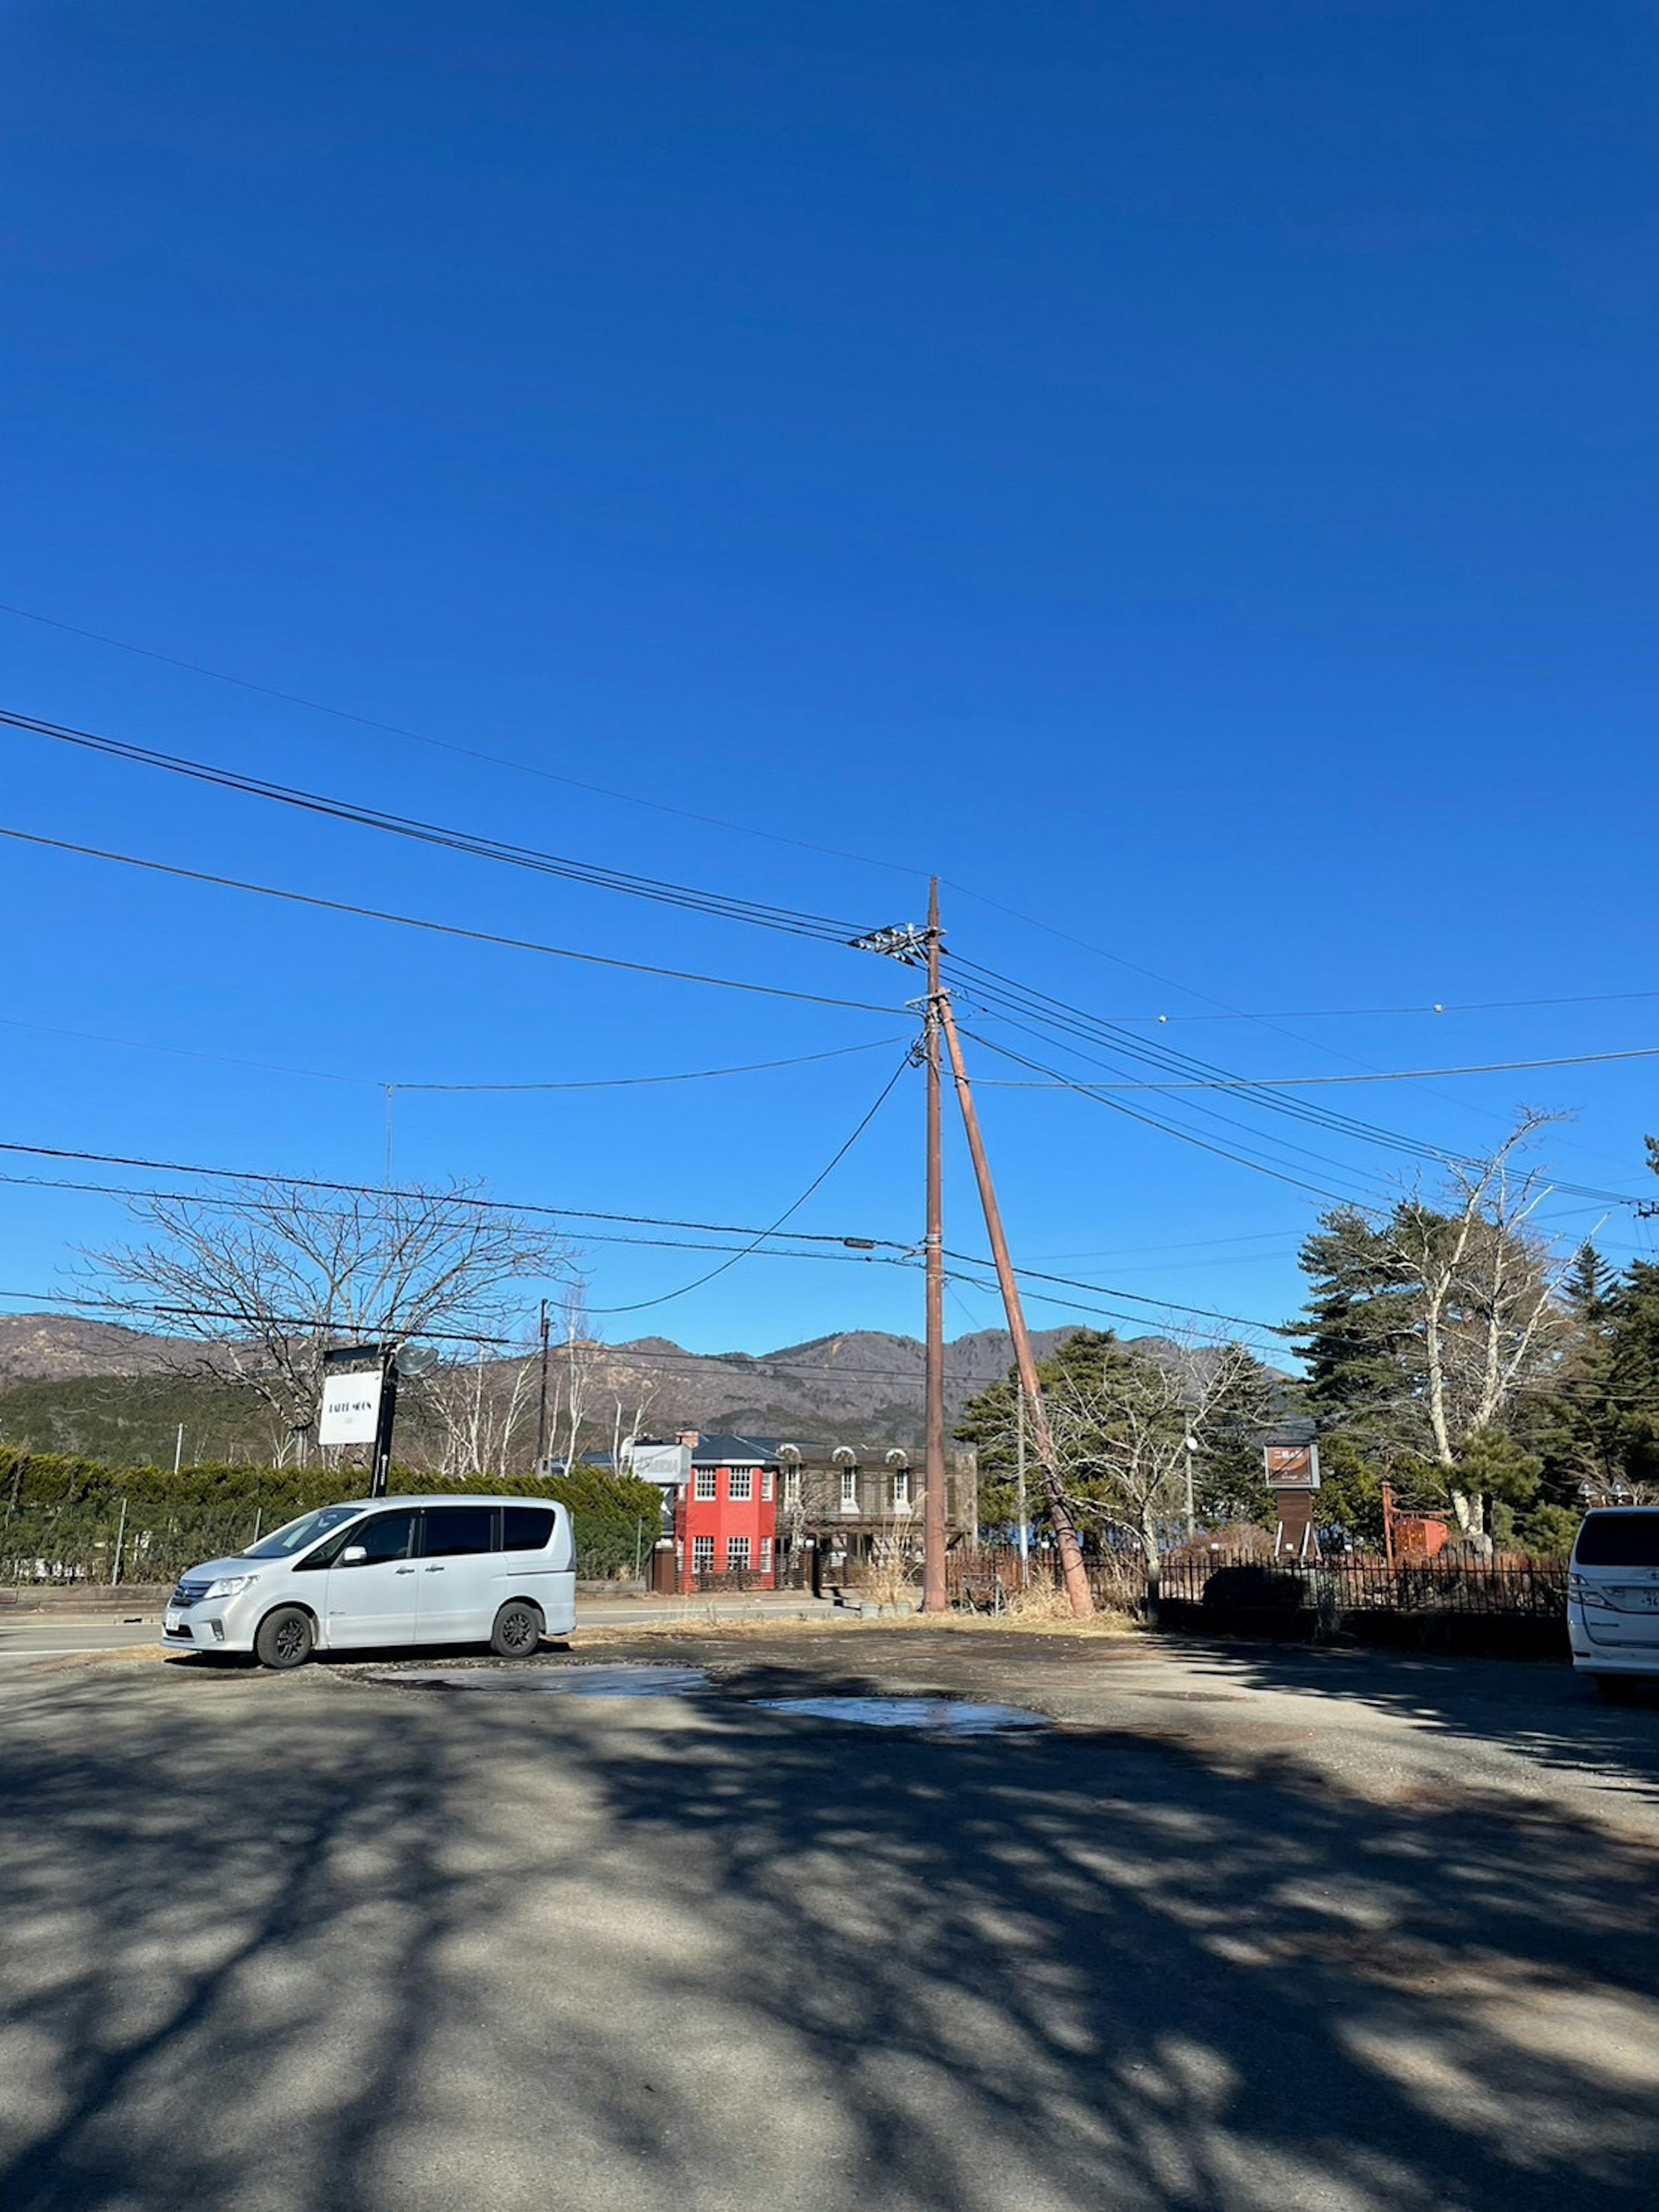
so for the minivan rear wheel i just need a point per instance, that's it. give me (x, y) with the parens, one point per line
(517, 1630)
(286, 1638)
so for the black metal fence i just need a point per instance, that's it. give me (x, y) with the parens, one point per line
(1507, 1607)
(1535, 1588)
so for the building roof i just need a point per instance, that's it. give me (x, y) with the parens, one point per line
(746, 1451)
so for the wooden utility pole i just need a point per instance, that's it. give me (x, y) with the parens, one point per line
(933, 1594)
(541, 1405)
(1070, 1552)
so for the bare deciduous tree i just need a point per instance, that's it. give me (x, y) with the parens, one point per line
(1121, 1424)
(267, 1275)
(480, 1405)
(1480, 1289)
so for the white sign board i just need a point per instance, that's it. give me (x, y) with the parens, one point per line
(350, 1408)
(670, 1465)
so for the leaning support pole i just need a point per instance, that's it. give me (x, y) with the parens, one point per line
(1070, 1552)
(934, 1595)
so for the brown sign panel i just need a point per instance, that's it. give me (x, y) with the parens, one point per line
(1292, 1466)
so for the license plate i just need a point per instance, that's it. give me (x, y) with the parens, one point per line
(1644, 1599)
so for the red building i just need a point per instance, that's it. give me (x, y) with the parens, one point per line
(725, 1513)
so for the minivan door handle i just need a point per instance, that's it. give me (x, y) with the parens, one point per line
(405, 1570)
(435, 1571)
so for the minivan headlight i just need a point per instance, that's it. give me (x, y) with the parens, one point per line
(228, 1586)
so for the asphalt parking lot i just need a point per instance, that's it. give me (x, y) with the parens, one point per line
(1251, 1928)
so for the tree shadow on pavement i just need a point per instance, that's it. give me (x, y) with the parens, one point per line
(1548, 1713)
(348, 1947)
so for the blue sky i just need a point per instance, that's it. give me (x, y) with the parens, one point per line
(1185, 472)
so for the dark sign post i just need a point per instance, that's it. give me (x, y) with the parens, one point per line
(359, 1403)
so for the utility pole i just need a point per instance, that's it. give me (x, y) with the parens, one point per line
(1191, 1499)
(1070, 1552)
(541, 1403)
(179, 1448)
(933, 1598)
(917, 948)
(1020, 1489)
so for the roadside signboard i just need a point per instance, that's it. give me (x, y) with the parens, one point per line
(1292, 1466)
(353, 1378)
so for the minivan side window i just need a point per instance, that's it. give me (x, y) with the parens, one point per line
(384, 1537)
(1617, 1539)
(526, 1528)
(452, 1531)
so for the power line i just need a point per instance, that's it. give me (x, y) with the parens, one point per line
(898, 1258)
(1375, 1013)
(998, 993)
(1378, 1075)
(448, 745)
(373, 1082)
(1134, 1297)
(767, 1363)
(633, 1082)
(448, 1198)
(639, 1305)
(441, 928)
(722, 905)
(1153, 1121)
(596, 875)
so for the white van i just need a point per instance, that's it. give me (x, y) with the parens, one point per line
(386, 1571)
(1613, 1596)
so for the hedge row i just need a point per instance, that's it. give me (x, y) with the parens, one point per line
(62, 1516)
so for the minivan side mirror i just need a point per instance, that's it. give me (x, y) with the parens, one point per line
(354, 1555)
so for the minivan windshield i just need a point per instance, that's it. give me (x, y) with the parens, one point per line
(1626, 1538)
(293, 1535)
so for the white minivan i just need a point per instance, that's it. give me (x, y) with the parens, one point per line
(1613, 1596)
(385, 1572)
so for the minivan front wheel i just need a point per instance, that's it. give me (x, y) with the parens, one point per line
(517, 1630)
(285, 1639)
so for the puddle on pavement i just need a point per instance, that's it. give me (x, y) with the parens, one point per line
(936, 1715)
(643, 1681)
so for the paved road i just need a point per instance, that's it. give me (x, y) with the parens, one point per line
(50, 1635)
(1258, 1932)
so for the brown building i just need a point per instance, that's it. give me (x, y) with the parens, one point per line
(849, 1502)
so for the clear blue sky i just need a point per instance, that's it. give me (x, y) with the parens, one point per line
(1186, 472)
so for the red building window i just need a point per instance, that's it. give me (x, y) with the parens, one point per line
(740, 1484)
(737, 1555)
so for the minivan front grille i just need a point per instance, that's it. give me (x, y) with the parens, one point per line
(187, 1594)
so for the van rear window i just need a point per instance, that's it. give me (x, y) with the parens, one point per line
(527, 1527)
(1618, 1540)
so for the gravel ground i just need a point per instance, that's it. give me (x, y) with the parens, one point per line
(1248, 1929)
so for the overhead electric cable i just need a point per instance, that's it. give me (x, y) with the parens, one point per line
(639, 1305)
(243, 1205)
(448, 745)
(629, 882)
(374, 1082)
(1380, 1075)
(441, 928)
(457, 1199)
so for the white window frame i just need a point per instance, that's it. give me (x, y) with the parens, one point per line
(702, 1555)
(766, 1486)
(737, 1555)
(740, 1484)
(900, 1490)
(792, 1486)
(705, 1486)
(849, 1489)
(766, 1555)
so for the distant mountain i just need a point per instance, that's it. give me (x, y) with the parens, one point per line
(70, 1385)
(54, 1347)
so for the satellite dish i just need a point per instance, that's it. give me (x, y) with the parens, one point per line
(414, 1360)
